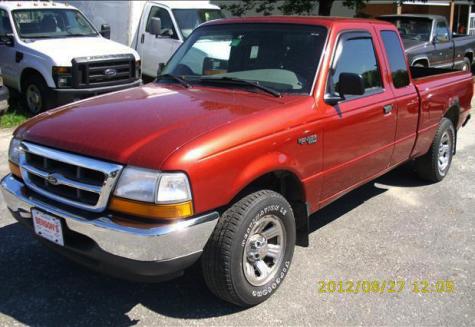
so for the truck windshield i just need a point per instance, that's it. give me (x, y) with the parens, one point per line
(189, 19)
(283, 57)
(413, 28)
(51, 23)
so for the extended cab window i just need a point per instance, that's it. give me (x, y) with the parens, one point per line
(166, 21)
(355, 54)
(5, 26)
(396, 56)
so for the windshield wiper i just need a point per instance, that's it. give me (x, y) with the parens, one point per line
(176, 78)
(235, 80)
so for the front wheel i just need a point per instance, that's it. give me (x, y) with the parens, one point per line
(435, 165)
(36, 94)
(251, 248)
(467, 65)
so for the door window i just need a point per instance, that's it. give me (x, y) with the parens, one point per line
(442, 32)
(5, 26)
(355, 54)
(396, 58)
(166, 20)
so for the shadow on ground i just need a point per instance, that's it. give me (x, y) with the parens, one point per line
(39, 287)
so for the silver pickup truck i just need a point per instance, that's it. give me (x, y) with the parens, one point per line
(429, 43)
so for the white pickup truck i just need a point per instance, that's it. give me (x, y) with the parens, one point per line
(52, 54)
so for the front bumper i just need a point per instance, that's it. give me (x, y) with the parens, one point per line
(68, 95)
(4, 94)
(100, 243)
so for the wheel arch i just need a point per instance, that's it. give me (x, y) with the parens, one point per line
(27, 72)
(289, 185)
(423, 60)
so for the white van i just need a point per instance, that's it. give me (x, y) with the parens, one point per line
(52, 54)
(131, 25)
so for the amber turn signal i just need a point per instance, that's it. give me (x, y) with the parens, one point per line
(151, 210)
(14, 169)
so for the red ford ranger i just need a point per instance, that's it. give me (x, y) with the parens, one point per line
(251, 127)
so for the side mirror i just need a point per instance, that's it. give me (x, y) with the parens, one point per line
(155, 26)
(7, 39)
(161, 66)
(348, 84)
(106, 31)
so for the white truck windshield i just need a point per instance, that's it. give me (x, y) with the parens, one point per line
(51, 23)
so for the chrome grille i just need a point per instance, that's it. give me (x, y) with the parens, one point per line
(71, 179)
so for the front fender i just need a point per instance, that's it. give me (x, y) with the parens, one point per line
(262, 165)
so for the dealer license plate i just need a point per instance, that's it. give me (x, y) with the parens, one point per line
(47, 226)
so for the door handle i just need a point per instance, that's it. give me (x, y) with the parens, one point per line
(142, 39)
(387, 109)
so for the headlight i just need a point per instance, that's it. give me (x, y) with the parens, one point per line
(137, 184)
(62, 76)
(14, 151)
(138, 69)
(152, 186)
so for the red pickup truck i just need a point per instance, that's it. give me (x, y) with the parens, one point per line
(252, 126)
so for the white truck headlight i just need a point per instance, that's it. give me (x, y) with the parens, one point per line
(14, 151)
(152, 186)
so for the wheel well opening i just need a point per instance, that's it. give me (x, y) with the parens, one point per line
(289, 186)
(28, 72)
(453, 114)
(423, 62)
(469, 55)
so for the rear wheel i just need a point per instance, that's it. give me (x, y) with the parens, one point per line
(249, 253)
(435, 165)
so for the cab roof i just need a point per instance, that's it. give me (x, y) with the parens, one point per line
(186, 4)
(307, 20)
(12, 5)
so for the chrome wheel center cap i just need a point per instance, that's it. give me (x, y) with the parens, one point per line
(257, 248)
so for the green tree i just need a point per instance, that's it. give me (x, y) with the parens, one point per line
(287, 7)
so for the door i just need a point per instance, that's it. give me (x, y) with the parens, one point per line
(359, 131)
(406, 98)
(156, 49)
(442, 55)
(7, 53)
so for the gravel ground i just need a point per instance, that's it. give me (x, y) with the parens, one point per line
(394, 228)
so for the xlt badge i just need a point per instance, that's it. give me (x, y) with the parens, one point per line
(311, 139)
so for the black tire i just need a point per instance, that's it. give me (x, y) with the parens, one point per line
(467, 65)
(428, 166)
(34, 86)
(224, 261)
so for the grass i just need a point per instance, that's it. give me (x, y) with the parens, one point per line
(15, 115)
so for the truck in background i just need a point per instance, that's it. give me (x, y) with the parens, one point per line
(429, 43)
(131, 24)
(4, 94)
(51, 54)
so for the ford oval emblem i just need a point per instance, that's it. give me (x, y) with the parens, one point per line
(110, 72)
(53, 180)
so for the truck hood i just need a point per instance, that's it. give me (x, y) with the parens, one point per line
(411, 45)
(144, 125)
(63, 50)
